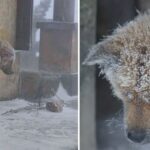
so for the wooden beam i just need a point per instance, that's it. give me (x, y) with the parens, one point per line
(24, 24)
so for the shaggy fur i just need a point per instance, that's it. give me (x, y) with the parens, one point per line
(125, 59)
(7, 57)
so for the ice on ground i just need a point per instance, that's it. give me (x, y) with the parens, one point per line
(36, 129)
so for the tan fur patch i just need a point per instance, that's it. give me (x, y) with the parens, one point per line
(137, 115)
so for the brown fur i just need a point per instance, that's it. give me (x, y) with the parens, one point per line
(124, 58)
(7, 56)
(137, 115)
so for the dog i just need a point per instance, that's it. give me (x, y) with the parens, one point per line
(124, 59)
(7, 57)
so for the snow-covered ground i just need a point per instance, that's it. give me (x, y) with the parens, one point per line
(24, 127)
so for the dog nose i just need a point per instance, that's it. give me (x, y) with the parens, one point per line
(136, 135)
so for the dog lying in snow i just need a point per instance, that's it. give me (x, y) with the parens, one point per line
(124, 58)
(7, 57)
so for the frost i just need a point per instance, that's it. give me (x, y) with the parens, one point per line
(124, 57)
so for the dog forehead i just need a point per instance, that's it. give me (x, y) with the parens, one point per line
(6, 48)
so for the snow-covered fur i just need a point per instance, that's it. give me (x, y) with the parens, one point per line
(124, 58)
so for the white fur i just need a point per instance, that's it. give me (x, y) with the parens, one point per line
(125, 59)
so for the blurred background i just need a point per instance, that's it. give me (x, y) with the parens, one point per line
(101, 113)
(38, 103)
(44, 35)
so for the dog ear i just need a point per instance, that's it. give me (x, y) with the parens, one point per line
(105, 53)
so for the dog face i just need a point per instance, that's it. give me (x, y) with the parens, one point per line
(137, 121)
(124, 58)
(7, 57)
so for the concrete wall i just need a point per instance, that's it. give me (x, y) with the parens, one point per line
(8, 84)
(8, 20)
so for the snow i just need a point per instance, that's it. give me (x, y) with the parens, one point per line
(50, 12)
(25, 127)
(62, 94)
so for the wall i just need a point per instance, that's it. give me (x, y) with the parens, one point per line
(143, 5)
(8, 84)
(8, 20)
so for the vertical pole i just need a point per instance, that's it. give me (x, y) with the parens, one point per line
(64, 10)
(87, 76)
